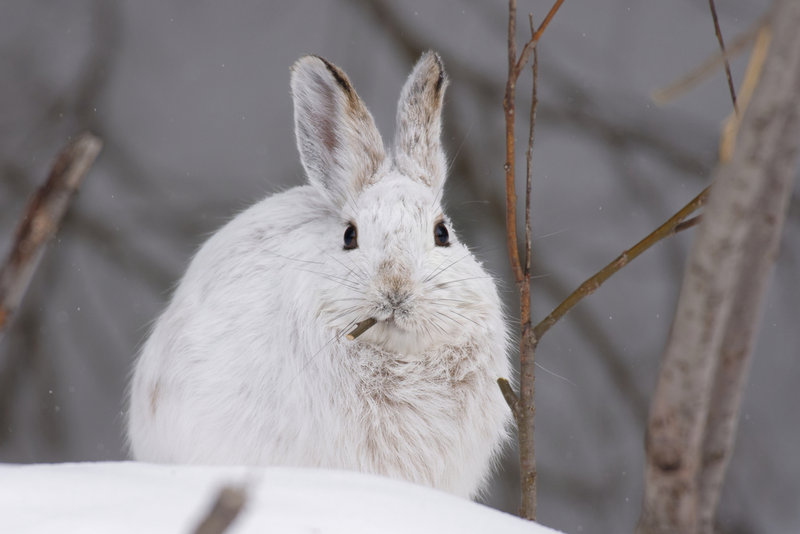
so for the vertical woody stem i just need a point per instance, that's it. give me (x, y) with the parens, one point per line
(522, 408)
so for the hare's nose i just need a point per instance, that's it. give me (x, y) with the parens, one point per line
(396, 298)
(395, 284)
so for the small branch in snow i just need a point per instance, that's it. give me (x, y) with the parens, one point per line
(226, 508)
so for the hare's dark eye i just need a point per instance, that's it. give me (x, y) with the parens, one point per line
(350, 237)
(441, 236)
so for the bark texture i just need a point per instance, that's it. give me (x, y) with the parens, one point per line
(694, 412)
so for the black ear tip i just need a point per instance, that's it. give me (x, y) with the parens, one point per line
(338, 75)
(314, 61)
(438, 59)
(440, 79)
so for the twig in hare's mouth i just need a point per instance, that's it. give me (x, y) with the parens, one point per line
(361, 327)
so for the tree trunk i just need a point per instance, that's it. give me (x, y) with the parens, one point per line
(694, 411)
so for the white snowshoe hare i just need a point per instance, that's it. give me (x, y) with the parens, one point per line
(250, 363)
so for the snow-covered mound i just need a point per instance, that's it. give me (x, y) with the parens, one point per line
(129, 497)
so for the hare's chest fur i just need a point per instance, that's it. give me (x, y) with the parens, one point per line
(434, 421)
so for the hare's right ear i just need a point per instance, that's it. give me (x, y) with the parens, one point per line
(340, 147)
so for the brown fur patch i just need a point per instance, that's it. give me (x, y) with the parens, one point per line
(327, 129)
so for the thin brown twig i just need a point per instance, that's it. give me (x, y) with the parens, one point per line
(725, 57)
(752, 74)
(592, 284)
(529, 162)
(42, 219)
(514, 69)
(546, 21)
(527, 407)
(706, 68)
(510, 396)
(527, 50)
(685, 225)
(523, 408)
(509, 166)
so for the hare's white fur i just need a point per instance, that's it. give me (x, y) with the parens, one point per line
(249, 365)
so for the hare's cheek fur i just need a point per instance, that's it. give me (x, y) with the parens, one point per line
(249, 365)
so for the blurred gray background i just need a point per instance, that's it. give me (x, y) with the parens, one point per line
(192, 100)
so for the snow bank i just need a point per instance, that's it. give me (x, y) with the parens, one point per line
(129, 497)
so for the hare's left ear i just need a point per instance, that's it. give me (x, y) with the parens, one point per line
(340, 147)
(418, 146)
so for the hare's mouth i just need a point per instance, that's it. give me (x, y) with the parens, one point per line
(397, 324)
(398, 338)
(393, 329)
(391, 325)
(388, 323)
(391, 322)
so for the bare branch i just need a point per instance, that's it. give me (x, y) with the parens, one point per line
(529, 164)
(546, 21)
(229, 503)
(725, 58)
(535, 36)
(514, 69)
(527, 354)
(708, 67)
(525, 409)
(751, 76)
(694, 411)
(509, 108)
(525, 419)
(41, 221)
(592, 284)
(685, 225)
(511, 398)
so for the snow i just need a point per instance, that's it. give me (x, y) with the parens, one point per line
(130, 497)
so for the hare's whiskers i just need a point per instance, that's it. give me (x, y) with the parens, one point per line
(451, 319)
(465, 256)
(426, 275)
(339, 280)
(555, 375)
(342, 264)
(290, 258)
(440, 285)
(467, 318)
